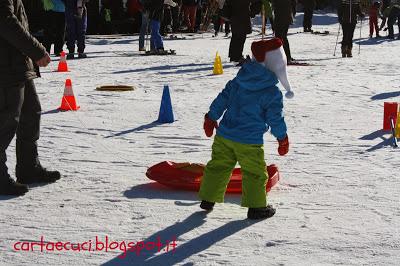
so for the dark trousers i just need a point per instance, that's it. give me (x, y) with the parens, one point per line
(307, 20)
(281, 32)
(76, 31)
(54, 31)
(175, 19)
(189, 13)
(348, 33)
(217, 23)
(20, 112)
(393, 16)
(236, 46)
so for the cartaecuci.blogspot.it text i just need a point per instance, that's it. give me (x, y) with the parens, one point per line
(99, 244)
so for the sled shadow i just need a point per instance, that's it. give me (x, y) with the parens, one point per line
(155, 190)
(160, 68)
(140, 128)
(180, 251)
(378, 134)
(385, 95)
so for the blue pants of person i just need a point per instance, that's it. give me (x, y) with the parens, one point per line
(144, 29)
(76, 31)
(156, 41)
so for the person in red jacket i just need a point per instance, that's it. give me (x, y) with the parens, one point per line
(373, 19)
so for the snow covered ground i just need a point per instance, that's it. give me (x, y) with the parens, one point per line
(337, 201)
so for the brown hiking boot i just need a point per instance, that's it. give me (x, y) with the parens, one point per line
(344, 50)
(349, 54)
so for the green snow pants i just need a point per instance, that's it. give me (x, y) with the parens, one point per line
(225, 154)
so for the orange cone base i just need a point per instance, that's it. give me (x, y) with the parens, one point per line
(68, 103)
(62, 67)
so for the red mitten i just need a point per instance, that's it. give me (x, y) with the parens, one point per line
(209, 126)
(283, 146)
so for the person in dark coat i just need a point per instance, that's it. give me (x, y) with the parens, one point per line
(309, 6)
(283, 11)
(76, 20)
(19, 103)
(348, 11)
(241, 12)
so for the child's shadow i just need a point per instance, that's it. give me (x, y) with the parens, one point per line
(182, 251)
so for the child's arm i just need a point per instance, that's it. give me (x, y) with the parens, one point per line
(274, 117)
(219, 105)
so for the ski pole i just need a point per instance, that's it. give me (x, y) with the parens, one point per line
(359, 41)
(337, 38)
(393, 133)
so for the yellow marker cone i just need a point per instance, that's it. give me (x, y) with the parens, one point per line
(218, 65)
(397, 128)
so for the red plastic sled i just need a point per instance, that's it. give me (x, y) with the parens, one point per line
(187, 176)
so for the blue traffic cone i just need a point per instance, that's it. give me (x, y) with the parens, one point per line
(166, 114)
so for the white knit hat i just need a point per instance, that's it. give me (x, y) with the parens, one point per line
(271, 54)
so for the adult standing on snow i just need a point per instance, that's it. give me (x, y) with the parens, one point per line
(241, 12)
(283, 11)
(54, 27)
(76, 19)
(19, 103)
(348, 11)
(309, 6)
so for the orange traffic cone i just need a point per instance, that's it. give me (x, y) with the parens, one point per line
(62, 65)
(68, 102)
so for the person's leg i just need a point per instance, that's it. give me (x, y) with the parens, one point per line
(11, 100)
(345, 38)
(192, 17)
(28, 169)
(218, 171)
(48, 30)
(371, 27)
(281, 32)
(241, 41)
(186, 16)
(71, 30)
(254, 176)
(306, 19)
(81, 33)
(390, 22)
(59, 34)
(158, 42)
(28, 129)
(143, 30)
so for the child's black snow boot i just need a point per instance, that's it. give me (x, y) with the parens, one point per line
(261, 213)
(206, 205)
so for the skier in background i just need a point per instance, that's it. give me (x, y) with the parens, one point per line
(76, 19)
(54, 28)
(348, 12)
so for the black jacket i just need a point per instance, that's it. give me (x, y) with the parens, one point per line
(348, 10)
(241, 12)
(17, 46)
(283, 11)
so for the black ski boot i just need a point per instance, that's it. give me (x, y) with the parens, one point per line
(82, 55)
(206, 205)
(349, 53)
(37, 175)
(11, 188)
(261, 213)
(344, 50)
(70, 56)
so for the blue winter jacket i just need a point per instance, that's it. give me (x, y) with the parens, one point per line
(252, 103)
(58, 6)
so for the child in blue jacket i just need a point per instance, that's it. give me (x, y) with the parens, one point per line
(250, 104)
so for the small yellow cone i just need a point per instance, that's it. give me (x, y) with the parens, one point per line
(217, 65)
(397, 128)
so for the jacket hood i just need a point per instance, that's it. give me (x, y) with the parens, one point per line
(254, 76)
